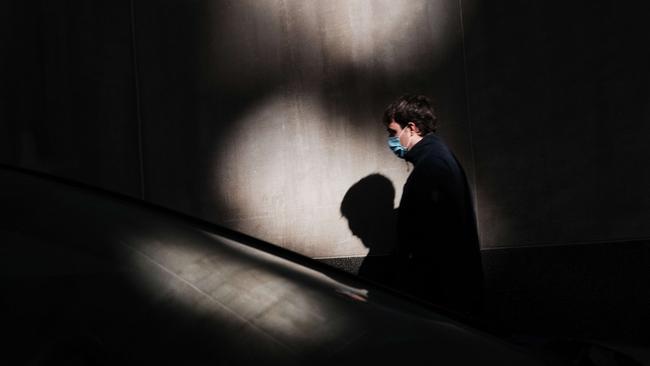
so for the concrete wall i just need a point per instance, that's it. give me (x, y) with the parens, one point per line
(257, 115)
(68, 97)
(559, 100)
(560, 105)
(260, 115)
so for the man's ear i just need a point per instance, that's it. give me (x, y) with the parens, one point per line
(413, 127)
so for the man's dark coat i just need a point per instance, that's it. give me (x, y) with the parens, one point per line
(438, 238)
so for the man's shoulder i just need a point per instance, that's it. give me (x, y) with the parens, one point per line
(435, 163)
(433, 145)
(432, 156)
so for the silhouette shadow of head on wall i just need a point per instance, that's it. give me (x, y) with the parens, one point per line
(369, 208)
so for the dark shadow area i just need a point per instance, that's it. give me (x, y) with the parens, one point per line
(88, 279)
(588, 291)
(368, 207)
(68, 95)
(562, 108)
(580, 352)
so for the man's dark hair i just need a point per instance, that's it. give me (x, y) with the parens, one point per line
(412, 108)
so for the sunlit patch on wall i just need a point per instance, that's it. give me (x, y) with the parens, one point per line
(311, 79)
(272, 176)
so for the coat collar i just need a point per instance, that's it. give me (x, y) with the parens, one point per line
(421, 147)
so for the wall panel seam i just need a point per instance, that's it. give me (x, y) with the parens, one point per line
(138, 109)
(469, 119)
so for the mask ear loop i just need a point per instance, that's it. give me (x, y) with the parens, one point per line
(408, 166)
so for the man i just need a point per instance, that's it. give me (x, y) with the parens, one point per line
(437, 235)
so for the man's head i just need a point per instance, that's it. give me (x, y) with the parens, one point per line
(407, 120)
(414, 109)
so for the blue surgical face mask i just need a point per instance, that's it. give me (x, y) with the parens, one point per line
(396, 146)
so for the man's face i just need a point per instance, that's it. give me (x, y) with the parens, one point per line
(394, 129)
